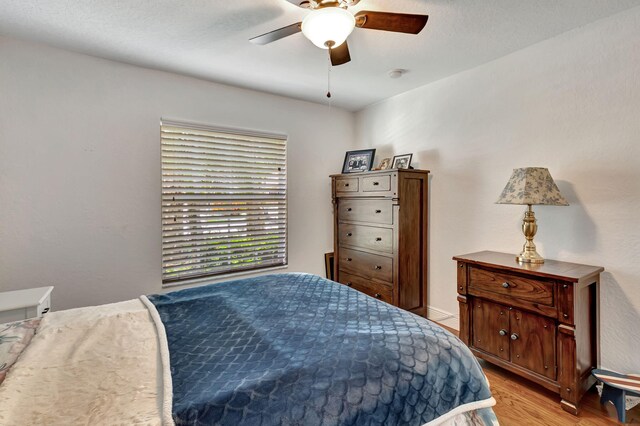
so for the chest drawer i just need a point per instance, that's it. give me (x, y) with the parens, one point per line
(376, 183)
(374, 211)
(378, 290)
(345, 184)
(368, 237)
(366, 265)
(516, 289)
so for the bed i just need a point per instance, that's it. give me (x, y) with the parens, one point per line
(282, 349)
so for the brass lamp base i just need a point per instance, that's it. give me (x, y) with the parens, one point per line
(529, 257)
(529, 229)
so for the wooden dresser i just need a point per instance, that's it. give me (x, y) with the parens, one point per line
(380, 235)
(538, 321)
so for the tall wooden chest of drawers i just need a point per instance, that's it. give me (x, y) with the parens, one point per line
(380, 235)
(536, 320)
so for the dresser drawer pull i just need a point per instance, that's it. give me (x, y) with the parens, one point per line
(503, 332)
(378, 238)
(349, 259)
(346, 184)
(349, 234)
(515, 336)
(565, 316)
(349, 284)
(349, 209)
(505, 284)
(378, 211)
(378, 296)
(376, 183)
(377, 267)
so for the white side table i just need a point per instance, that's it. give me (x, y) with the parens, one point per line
(22, 304)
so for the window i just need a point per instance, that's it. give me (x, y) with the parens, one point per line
(224, 201)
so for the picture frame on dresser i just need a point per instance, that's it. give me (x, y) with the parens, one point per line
(402, 161)
(358, 161)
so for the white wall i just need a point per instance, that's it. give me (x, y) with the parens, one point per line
(80, 169)
(572, 104)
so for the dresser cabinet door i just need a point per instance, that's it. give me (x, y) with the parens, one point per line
(533, 343)
(490, 328)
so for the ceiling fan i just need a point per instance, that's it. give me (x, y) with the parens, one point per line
(329, 24)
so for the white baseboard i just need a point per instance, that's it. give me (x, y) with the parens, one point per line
(443, 317)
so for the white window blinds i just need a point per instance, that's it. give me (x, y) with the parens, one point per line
(224, 201)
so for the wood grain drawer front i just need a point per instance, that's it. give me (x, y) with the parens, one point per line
(533, 343)
(376, 183)
(514, 286)
(380, 291)
(367, 237)
(366, 265)
(490, 328)
(374, 211)
(347, 184)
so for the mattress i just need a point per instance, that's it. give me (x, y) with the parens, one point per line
(211, 355)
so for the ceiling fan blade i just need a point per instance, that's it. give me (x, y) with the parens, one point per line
(340, 55)
(277, 34)
(386, 21)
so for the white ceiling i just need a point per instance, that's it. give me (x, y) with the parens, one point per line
(209, 39)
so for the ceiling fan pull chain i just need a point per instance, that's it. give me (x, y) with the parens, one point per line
(329, 73)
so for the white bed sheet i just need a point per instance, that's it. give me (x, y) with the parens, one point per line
(95, 366)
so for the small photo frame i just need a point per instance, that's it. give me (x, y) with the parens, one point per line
(385, 164)
(402, 161)
(328, 265)
(358, 161)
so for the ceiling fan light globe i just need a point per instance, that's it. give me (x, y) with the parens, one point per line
(329, 24)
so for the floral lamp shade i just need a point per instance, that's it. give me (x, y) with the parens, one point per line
(532, 186)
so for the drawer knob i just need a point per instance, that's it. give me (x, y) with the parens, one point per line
(349, 284)
(376, 183)
(377, 267)
(378, 296)
(378, 238)
(349, 209)
(349, 234)
(565, 316)
(515, 336)
(503, 332)
(505, 284)
(378, 211)
(346, 184)
(565, 286)
(349, 259)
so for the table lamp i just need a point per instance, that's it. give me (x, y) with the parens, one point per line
(531, 185)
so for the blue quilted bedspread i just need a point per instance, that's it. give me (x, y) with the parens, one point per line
(297, 349)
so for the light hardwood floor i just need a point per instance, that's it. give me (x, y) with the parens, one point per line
(520, 402)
